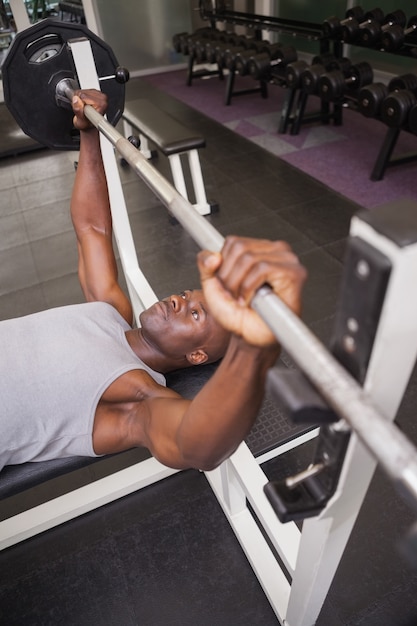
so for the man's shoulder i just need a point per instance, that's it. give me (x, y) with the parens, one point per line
(134, 386)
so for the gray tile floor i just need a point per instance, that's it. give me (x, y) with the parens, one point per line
(37, 245)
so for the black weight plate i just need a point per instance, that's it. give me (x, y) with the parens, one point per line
(396, 106)
(37, 59)
(370, 99)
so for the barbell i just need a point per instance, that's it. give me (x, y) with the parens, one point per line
(343, 394)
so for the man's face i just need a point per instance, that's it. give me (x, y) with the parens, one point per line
(180, 324)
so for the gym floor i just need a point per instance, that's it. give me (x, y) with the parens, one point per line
(166, 555)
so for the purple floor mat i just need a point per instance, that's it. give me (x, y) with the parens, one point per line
(342, 157)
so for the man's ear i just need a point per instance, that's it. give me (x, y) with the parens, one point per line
(198, 357)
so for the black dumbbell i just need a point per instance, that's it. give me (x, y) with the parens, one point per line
(332, 27)
(371, 34)
(230, 53)
(198, 48)
(351, 31)
(335, 84)
(394, 37)
(332, 62)
(370, 99)
(403, 81)
(278, 56)
(210, 50)
(222, 41)
(198, 45)
(184, 40)
(309, 79)
(396, 108)
(216, 49)
(241, 60)
(225, 54)
(177, 40)
(401, 99)
(293, 73)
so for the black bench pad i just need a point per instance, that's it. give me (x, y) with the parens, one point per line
(163, 130)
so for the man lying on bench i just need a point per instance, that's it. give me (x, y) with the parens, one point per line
(80, 381)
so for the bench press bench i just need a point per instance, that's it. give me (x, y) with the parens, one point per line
(173, 140)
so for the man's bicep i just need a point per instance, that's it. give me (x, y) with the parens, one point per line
(162, 426)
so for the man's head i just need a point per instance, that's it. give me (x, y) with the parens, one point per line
(181, 329)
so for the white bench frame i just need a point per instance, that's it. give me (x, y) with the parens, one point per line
(132, 123)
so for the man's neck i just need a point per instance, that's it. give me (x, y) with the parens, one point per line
(149, 354)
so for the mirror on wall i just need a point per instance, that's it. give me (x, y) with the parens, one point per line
(36, 10)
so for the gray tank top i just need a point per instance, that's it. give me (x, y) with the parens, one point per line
(54, 368)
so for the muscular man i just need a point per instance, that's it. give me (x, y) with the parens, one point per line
(79, 380)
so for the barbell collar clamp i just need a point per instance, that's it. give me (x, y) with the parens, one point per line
(64, 92)
(121, 76)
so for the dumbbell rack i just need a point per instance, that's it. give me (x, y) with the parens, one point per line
(329, 111)
(384, 158)
(257, 24)
(297, 29)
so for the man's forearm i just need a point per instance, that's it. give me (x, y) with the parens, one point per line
(90, 200)
(223, 412)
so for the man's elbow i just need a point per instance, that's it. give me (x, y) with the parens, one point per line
(207, 461)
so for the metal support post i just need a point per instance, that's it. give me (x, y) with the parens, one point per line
(20, 14)
(392, 360)
(201, 204)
